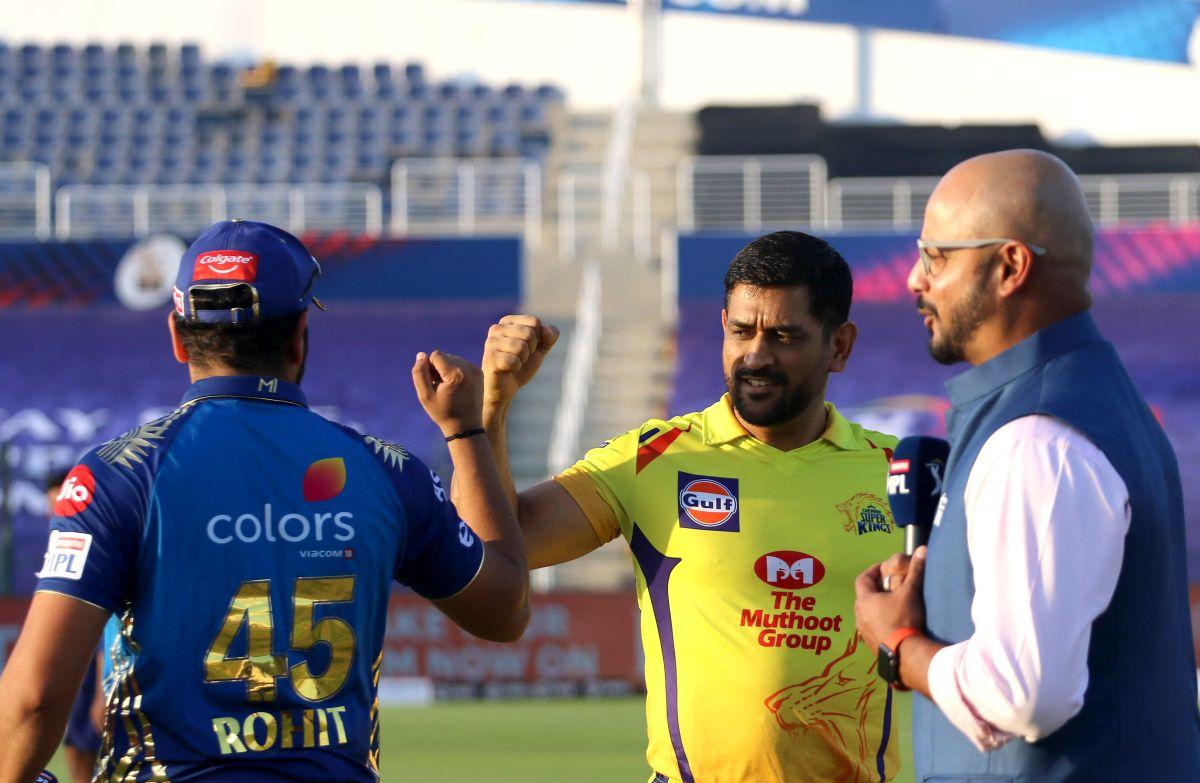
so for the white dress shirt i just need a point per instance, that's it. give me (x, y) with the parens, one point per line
(1047, 516)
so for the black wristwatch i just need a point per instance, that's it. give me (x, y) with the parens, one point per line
(889, 657)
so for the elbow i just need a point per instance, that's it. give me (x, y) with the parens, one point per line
(514, 626)
(506, 625)
(1036, 716)
(511, 612)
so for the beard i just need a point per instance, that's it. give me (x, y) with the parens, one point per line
(780, 407)
(964, 321)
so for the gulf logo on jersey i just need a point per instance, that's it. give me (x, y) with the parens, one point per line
(226, 265)
(708, 503)
(324, 479)
(789, 570)
(76, 492)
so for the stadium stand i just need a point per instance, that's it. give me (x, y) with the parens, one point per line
(165, 115)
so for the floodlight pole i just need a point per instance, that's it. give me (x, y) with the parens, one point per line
(648, 18)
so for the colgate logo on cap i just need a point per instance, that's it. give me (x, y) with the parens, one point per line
(226, 265)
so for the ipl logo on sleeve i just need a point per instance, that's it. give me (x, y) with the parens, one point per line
(708, 503)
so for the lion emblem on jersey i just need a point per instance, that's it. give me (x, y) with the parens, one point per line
(866, 513)
(835, 705)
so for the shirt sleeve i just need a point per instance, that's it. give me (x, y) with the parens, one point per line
(602, 484)
(1047, 516)
(441, 555)
(95, 533)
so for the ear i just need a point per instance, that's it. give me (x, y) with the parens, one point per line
(724, 319)
(295, 351)
(1014, 268)
(181, 354)
(843, 345)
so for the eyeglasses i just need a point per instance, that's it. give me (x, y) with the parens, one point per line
(935, 264)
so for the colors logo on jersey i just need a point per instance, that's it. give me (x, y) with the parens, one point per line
(76, 492)
(708, 503)
(324, 479)
(789, 570)
(66, 554)
(226, 265)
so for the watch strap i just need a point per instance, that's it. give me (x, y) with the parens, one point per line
(891, 645)
(899, 635)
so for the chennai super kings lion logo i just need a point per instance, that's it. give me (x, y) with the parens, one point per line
(836, 706)
(866, 513)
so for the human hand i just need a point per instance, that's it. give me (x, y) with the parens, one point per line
(893, 570)
(513, 353)
(879, 613)
(450, 390)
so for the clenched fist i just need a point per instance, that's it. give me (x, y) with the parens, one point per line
(450, 390)
(513, 353)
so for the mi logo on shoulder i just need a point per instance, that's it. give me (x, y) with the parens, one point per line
(708, 503)
(269, 385)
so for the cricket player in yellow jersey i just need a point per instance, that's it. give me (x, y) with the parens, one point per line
(748, 523)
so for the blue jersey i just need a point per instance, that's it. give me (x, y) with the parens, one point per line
(248, 546)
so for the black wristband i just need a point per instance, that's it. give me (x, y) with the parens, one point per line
(465, 434)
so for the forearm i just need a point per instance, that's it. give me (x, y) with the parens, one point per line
(40, 680)
(495, 422)
(481, 500)
(916, 653)
(29, 735)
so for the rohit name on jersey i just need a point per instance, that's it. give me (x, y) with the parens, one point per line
(259, 731)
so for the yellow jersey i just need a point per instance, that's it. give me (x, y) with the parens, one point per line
(745, 558)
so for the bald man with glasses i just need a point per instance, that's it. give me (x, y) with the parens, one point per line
(1046, 626)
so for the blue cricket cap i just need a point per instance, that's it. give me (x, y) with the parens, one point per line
(239, 271)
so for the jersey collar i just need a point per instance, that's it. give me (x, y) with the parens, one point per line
(250, 387)
(722, 426)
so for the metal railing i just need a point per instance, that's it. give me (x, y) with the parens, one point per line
(577, 374)
(445, 195)
(591, 222)
(872, 203)
(88, 211)
(751, 193)
(25, 200)
(754, 194)
(899, 202)
(1142, 198)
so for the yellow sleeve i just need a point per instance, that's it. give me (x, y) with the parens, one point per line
(602, 483)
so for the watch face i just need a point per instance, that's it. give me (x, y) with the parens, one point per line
(888, 666)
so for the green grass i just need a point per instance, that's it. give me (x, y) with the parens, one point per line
(596, 741)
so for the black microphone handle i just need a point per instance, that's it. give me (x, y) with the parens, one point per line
(915, 536)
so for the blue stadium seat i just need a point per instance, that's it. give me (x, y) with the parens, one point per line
(159, 56)
(319, 83)
(189, 57)
(350, 82)
(129, 114)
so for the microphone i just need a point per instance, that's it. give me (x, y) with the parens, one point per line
(914, 486)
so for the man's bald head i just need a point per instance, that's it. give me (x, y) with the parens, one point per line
(1023, 194)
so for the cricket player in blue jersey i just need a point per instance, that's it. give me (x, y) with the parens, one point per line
(248, 546)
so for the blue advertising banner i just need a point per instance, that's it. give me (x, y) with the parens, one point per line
(1147, 303)
(81, 366)
(1146, 29)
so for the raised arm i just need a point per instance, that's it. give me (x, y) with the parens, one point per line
(495, 605)
(554, 527)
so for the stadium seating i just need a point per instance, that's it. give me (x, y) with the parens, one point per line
(164, 115)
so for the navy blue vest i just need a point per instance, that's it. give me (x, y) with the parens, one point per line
(1139, 720)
